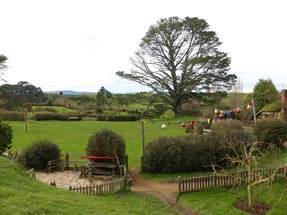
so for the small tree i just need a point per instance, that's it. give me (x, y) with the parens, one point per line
(247, 154)
(265, 93)
(5, 137)
(106, 143)
(103, 97)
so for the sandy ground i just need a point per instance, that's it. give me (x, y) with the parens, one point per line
(65, 179)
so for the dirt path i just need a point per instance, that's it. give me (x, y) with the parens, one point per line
(165, 191)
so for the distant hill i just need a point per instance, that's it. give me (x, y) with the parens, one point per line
(69, 92)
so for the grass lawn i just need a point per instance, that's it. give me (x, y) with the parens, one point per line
(72, 136)
(218, 201)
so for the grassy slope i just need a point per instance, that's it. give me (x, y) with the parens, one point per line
(20, 194)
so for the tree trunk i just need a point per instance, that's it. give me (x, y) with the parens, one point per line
(176, 107)
(250, 186)
(250, 195)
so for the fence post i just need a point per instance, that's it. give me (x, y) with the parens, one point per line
(67, 159)
(179, 185)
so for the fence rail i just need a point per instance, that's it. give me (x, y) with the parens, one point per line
(110, 187)
(225, 180)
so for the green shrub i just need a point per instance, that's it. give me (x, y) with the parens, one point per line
(117, 118)
(226, 125)
(45, 109)
(5, 137)
(12, 115)
(39, 153)
(189, 128)
(224, 138)
(196, 152)
(271, 130)
(198, 128)
(106, 143)
(177, 154)
(226, 143)
(54, 116)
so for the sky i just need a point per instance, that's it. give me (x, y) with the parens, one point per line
(80, 44)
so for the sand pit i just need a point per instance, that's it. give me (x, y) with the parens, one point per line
(65, 179)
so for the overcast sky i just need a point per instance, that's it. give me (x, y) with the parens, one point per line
(80, 44)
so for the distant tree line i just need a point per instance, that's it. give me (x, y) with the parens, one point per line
(13, 97)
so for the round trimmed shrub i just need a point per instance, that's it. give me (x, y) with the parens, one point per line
(106, 143)
(271, 130)
(39, 153)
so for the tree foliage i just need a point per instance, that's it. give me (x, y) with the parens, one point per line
(179, 59)
(3, 65)
(17, 95)
(5, 137)
(106, 143)
(103, 97)
(271, 131)
(264, 93)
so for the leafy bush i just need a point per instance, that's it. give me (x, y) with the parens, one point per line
(5, 137)
(226, 143)
(198, 128)
(117, 118)
(12, 115)
(224, 137)
(39, 153)
(196, 152)
(54, 116)
(189, 128)
(226, 125)
(106, 143)
(45, 109)
(177, 154)
(271, 130)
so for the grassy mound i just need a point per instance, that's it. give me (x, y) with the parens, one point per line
(21, 195)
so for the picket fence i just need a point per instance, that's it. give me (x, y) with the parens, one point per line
(108, 187)
(230, 179)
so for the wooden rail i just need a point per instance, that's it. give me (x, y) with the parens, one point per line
(109, 187)
(225, 180)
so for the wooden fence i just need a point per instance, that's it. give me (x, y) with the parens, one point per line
(109, 187)
(225, 180)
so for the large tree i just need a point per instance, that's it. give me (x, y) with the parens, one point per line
(178, 59)
(3, 66)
